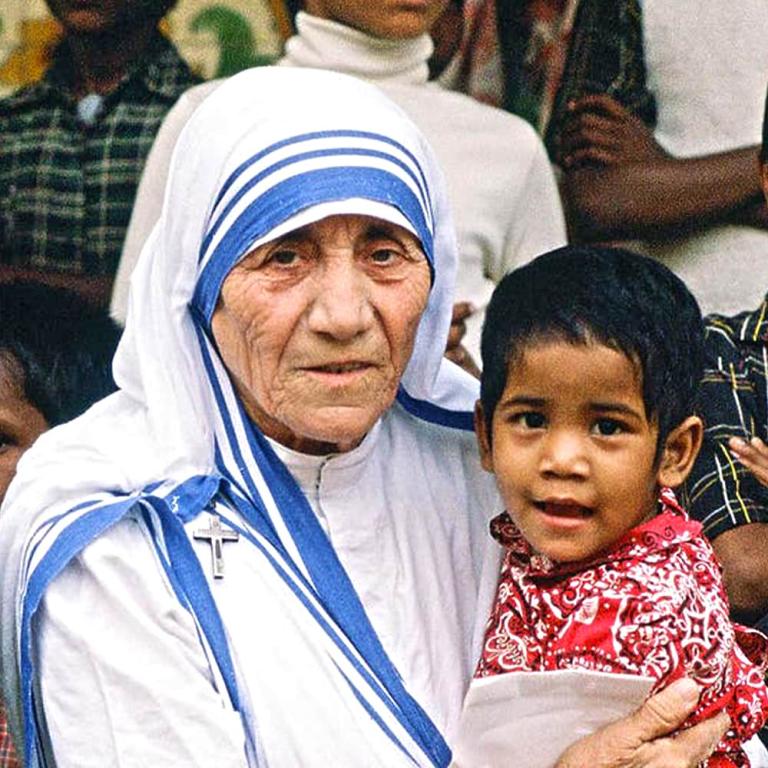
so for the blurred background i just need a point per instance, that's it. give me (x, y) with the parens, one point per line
(216, 37)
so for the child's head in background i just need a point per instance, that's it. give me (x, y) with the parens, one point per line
(591, 361)
(55, 361)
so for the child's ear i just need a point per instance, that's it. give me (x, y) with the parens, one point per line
(680, 451)
(483, 438)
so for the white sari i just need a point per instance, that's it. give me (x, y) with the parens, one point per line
(310, 682)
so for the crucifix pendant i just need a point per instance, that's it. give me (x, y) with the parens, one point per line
(216, 535)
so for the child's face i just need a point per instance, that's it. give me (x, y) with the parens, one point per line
(20, 425)
(572, 448)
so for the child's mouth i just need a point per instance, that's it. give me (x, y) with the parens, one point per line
(564, 509)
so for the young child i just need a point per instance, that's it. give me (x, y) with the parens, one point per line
(591, 361)
(55, 360)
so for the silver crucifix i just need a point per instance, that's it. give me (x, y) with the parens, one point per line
(217, 535)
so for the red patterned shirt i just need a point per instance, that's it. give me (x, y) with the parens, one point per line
(654, 605)
(8, 757)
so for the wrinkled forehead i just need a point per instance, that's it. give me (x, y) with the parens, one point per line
(273, 187)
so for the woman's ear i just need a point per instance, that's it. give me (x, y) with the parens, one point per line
(483, 438)
(680, 451)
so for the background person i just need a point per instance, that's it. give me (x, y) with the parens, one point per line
(656, 128)
(281, 376)
(73, 145)
(728, 487)
(55, 361)
(499, 180)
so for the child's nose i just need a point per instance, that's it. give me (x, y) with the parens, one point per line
(564, 455)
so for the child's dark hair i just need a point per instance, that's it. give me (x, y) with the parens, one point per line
(56, 347)
(583, 294)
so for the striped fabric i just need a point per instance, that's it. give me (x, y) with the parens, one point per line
(733, 402)
(66, 191)
(299, 174)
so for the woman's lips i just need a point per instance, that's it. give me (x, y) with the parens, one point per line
(339, 373)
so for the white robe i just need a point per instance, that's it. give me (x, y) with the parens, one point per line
(309, 651)
(413, 549)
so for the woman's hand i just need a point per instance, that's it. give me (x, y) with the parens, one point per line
(647, 739)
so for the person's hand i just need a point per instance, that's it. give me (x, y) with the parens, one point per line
(461, 311)
(454, 350)
(644, 739)
(599, 131)
(753, 455)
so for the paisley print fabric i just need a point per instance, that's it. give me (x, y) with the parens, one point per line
(653, 605)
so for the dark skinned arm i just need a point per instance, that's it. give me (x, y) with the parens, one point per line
(455, 351)
(620, 184)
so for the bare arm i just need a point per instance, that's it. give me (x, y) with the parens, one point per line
(644, 739)
(619, 183)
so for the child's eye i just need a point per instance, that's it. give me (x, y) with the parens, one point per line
(607, 427)
(530, 419)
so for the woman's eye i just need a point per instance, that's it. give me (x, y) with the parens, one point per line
(284, 257)
(384, 255)
(530, 420)
(607, 427)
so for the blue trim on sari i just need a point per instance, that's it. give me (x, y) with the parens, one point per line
(293, 195)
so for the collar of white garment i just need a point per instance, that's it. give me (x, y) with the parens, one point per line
(325, 44)
(344, 468)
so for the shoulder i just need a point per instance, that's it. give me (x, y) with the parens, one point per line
(445, 457)
(35, 96)
(742, 332)
(119, 568)
(452, 118)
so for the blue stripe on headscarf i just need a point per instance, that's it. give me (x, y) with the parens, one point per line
(318, 135)
(340, 152)
(293, 195)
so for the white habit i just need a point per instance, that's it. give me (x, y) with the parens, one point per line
(343, 629)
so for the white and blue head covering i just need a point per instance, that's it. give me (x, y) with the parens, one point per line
(269, 151)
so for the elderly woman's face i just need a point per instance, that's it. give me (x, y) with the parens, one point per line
(316, 328)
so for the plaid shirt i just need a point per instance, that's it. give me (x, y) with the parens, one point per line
(66, 190)
(733, 401)
(605, 57)
(8, 757)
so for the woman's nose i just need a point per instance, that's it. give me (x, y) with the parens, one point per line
(564, 455)
(341, 307)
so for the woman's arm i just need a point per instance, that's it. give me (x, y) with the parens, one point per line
(123, 677)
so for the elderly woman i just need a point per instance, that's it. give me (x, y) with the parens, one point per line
(266, 548)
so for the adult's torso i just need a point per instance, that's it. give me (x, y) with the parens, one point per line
(706, 66)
